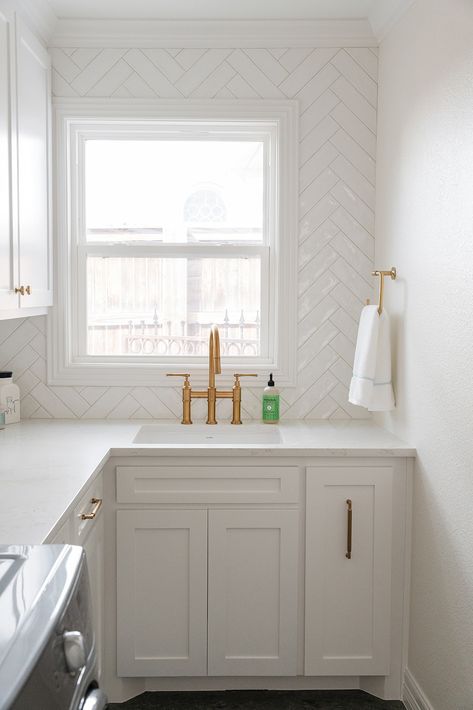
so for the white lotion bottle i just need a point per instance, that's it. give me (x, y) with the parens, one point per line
(9, 398)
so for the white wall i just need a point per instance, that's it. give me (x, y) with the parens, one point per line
(336, 89)
(424, 226)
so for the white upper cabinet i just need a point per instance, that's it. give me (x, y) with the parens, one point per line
(34, 145)
(25, 169)
(8, 273)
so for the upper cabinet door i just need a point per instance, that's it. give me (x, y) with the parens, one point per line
(8, 259)
(34, 168)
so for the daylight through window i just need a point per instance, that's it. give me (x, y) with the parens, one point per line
(175, 236)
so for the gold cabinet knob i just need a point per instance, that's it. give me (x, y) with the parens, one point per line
(23, 290)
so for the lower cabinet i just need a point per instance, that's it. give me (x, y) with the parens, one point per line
(210, 560)
(253, 567)
(93, 545)
(207, 592)
(162, 592)
(348, 570)
(88, 532)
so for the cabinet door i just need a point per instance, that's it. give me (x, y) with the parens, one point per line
(8, 256)
(347, 613)
(162, 592)
(94, 551)
(253, 566)
(33, 119)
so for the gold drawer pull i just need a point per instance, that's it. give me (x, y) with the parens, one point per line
(349, 528)
(96, 502)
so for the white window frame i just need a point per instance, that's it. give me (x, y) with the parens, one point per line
(75, 120)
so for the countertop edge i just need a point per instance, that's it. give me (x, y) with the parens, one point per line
(259, 450)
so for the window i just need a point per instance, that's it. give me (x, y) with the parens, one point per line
(166, 226)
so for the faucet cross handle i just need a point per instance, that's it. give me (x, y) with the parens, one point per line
(186, 396)
(236, 416)
(237, 376)
(186, 375)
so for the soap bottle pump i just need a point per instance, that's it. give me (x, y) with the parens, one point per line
(270, 403)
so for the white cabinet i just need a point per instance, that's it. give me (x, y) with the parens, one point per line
(88, 531)
(212, 590)
(8, 225)
(34, 131)
(161, 592)
(348, 591)
(272, 567)
(253, 568)
(85, 527)
(168, 624)
(25, 169)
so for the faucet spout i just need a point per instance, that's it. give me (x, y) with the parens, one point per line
(215, 365)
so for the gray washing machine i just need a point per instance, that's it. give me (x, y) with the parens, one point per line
(47, 648)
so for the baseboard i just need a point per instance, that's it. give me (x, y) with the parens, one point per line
(413, 696)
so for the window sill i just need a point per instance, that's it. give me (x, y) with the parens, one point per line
(138, 374)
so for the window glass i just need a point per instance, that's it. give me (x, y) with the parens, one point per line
(174, 191)
(165, 306)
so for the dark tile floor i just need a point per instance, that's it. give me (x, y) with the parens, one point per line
(259, 700)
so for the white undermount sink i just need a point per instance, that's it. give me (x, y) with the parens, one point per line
(207, 434)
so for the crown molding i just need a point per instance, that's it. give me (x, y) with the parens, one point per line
(38, 14)
(385, 14)
(213, 33)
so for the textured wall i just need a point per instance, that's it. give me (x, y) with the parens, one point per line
(424, 225)
(337, 91)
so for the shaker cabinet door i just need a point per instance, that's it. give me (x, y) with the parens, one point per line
(253, 567)
(348, 570)
(8, 256)
(94, 550)
(162, 592)
(34, 190)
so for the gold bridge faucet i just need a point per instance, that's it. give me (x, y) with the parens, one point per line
(211, 394)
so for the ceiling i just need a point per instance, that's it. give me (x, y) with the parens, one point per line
(215, 9)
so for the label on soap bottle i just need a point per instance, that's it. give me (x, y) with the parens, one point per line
(270, 407)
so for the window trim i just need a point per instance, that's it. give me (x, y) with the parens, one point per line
(66, 369)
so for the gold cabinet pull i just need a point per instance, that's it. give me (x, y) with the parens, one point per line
(349, 528)
(96, 502)
(28, 290)
(20, 290)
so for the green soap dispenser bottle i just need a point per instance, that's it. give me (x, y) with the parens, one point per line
(270, 403)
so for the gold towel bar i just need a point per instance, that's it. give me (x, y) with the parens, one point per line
(392, 273)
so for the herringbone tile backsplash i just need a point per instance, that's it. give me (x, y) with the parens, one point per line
(337, 92)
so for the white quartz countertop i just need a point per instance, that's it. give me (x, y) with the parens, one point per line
(45, 465)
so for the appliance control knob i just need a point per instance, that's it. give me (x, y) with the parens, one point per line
(74, 650)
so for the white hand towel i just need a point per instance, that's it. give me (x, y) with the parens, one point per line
(371, 384)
